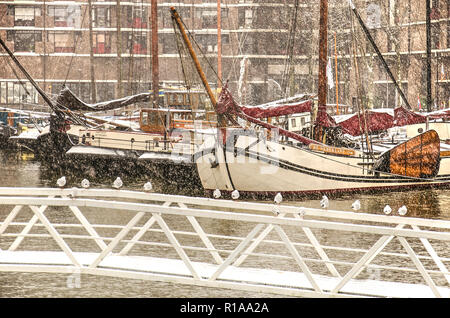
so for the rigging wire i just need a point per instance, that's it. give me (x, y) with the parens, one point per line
(288, 66)
(77, 37)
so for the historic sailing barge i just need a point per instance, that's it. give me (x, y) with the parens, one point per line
(253, 162)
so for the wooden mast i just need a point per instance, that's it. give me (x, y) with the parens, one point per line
(428, 27)
(323, 50)
(155, 61)
(119, 49)
(322, 87)
(44, 43)
(91, 55)
(177, 19)
(219, 43)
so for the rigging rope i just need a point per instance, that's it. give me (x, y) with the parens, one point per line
(77, 37)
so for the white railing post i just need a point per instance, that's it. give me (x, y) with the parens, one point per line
(117, 239)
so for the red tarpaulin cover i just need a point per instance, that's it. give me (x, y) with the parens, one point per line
(277, 110)
(403, 116)
(375, 121)
(381, 121)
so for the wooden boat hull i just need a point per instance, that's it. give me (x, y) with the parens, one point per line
(250, 164)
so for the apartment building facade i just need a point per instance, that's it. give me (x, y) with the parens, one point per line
(106, 46)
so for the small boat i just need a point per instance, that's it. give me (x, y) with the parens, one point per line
(161, 144)
(20, 129)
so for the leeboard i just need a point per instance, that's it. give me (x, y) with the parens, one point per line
(418, 157)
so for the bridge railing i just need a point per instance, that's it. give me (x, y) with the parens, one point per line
(260, 247)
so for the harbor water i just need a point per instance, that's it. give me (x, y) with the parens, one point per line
(21, 170)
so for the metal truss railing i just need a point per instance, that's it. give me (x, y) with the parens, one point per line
(260, 247)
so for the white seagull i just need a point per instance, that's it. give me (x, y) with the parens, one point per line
(278, 198)
(117, 183)
(402, 210)
(387, 210)
(61, 182)
(85, 183)
(148, 186)
(356, 205)
(217, 194)
(235, 195)
(324, 203)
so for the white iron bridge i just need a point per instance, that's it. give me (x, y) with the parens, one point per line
(249, 246)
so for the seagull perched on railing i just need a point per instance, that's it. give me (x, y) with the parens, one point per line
(217, 194)
(302, 213)
(148, 186)
(402, 210)
(278, 198)
(324, 203)
(387, 210)
(117, 183)
(235, 195)
(356, 205)
(61, 182)
(85, 183)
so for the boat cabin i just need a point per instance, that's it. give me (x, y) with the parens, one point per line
(297, 122)
(185, 99)
(159, 121)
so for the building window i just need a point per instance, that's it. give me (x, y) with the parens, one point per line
(435, 36)
(245, 17)
(60, 16)
(25, 16)
(80, 89)
(64, 42)
(101, 16)
(134, 43)
(3, 93)
(17, 93)
(67, 16)
(208, 42)
(435, 13)
(102, 42)
(225, 38)
(392, 14)
(24, 41)
(136, 16)
(105, 91)
(169, 44)
(209, 19)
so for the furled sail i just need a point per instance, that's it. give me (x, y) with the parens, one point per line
(67, 99)
(277, 110)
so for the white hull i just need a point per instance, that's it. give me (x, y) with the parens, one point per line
(270, 167)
